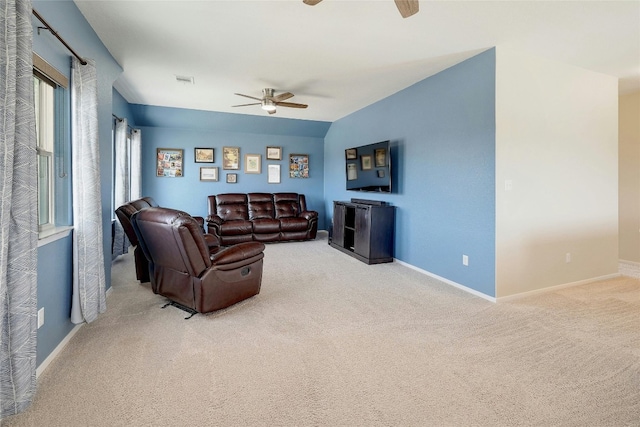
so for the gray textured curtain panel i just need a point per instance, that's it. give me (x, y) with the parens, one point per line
(89, 283)
(121, 186)
(18, 214)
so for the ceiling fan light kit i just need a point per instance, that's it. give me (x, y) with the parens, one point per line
(268, 105)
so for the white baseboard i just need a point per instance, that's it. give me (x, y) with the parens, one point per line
(515, 296)
(629, 268)
(447, 281)
(56, 351)
(557, 287)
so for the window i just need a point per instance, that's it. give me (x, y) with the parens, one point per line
(50, 111)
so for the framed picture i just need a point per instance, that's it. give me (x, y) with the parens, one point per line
(232, 178)
(298, 166)
(274, 153)
(203, 155)
(351, 153)
(366, 161)
(231, 158)
(380, 173)
(209, 174)
(169, 162)
(273, 174)
(381, 157)
(252, 163)
(352, 172)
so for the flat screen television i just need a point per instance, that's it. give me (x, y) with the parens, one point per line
(368, 168)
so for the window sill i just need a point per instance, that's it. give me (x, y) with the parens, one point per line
(54, 234)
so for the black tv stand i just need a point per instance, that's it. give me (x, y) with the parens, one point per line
(369, 202)
(364, 230)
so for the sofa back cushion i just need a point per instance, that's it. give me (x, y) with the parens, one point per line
(231, 206)
(260, 206)
(286, 205)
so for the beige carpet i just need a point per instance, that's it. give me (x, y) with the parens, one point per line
(331, 341)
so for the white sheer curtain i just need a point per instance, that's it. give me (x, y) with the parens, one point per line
(89, 283)
(121, 185)
(136, 164)
(18, 213)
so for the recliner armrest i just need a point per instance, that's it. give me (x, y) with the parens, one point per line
(309, 215)
(236, 253)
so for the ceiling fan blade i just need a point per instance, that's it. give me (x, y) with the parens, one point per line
(246, 105)
(408, 7)
(311, 2)
(291, 105)
(247, 96)
(282, 97)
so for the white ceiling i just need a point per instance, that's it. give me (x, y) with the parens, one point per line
(342, 55)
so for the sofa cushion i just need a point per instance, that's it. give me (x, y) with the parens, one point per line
(232, 207)
(266, 225)
(260, 206)
(236, 227)
(294, 224)
(286, 205)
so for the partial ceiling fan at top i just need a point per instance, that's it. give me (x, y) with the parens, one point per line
(407, 8)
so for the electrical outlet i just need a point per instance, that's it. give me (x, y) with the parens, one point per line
(40, 317)
(465, 260)
(567, 257)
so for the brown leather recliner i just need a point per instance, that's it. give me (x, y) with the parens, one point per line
(182, 268)
(124, 214)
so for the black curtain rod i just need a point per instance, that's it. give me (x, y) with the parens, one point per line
(48, 27)
(121, 119)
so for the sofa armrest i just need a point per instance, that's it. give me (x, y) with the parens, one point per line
(309, 215)
(215, 219)
(212, 241)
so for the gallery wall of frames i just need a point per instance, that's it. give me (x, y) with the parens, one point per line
(181, 168)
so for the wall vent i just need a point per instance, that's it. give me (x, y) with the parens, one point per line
(185, 79)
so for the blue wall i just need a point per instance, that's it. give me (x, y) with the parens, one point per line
(122, 108)
(55, 277)
(442, 131)
(164, 127)
(55, 259)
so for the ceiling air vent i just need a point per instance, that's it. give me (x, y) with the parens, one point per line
(185, 79)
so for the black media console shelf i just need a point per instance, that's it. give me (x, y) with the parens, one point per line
(364, 230)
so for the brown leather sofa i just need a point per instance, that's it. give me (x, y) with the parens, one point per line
(182, 268)
(264, 217)
(124, 214)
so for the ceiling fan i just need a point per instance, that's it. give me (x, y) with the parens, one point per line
(269, 101)
(406, 7)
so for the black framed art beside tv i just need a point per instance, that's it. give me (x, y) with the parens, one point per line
(368, 168)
